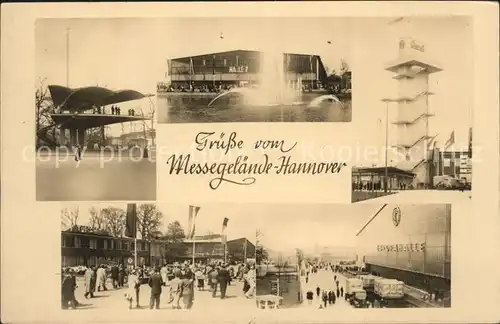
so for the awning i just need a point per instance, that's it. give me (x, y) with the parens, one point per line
(83, 98)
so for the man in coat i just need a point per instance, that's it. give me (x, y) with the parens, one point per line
(89, 282)
(155, 282)
(114, 276)
(101, 278)
(223, 279)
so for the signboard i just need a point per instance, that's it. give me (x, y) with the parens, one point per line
(410, 45)
(396, 216)
(130, 261)
(238, 69)
(411, 247)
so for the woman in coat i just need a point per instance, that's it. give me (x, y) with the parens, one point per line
(133, 290)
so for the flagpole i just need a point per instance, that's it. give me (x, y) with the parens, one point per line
(135, 251)
(194, 246)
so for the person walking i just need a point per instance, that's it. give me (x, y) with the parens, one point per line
(213, 275)
(187, 291)
(121, 276)
(341, 291)
(223, 279)
(67, 290)
(90, 282)
(134, 287)
(101, 278)
(318, 290)
(325, 298)
(309, 296)
(114, 276)
(251, 279)
(176, 289)
(155, 282)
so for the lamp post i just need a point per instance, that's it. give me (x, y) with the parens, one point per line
(386, 171)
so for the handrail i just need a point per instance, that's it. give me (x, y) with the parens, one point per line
(414, 120)
(416, 142)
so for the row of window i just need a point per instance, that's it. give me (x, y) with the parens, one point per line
(102, 244)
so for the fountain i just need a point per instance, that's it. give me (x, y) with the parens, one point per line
(273, 89)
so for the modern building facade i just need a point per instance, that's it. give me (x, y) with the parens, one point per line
(411, 243)
(242, 67)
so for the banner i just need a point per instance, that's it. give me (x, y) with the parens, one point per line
(450, 141)
(470, 142)
(193, 211)
(131, 222)
(223, 232)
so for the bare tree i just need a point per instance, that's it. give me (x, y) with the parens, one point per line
(97, 221)
(149, 221)
(148, 128)
(69, 218)
(115, 220)
(44, 107)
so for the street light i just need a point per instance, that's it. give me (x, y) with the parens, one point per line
(387, 101)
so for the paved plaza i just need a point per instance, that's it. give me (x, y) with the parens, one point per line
(61, 178)
(114, 299)
(325, 280)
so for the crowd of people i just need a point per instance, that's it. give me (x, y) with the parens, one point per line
(326, 295)
(178, 282)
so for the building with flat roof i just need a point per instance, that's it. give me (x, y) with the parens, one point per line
(81, 246)
(242, 67)
(211, 248)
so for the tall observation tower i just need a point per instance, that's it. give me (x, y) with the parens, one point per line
(412, 71)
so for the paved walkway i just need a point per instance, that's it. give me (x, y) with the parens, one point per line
(325, 280)
(114, 299)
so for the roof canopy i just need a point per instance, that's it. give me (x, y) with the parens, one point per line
(380, 171)
(84, 98)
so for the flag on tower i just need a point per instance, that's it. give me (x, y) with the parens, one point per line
(450, 141)
(193, 212)
(470, 142)
(223, 232)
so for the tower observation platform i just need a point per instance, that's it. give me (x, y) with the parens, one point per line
(412, 70)
(78, 110)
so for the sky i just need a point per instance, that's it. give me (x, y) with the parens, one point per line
(209, 219)
(282, 227)
(112, 53)
(305, 226)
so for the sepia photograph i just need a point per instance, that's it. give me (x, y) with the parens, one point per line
(95, 131)
(147, 256)
(336, 256)
(423, 127)
(279, 69)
